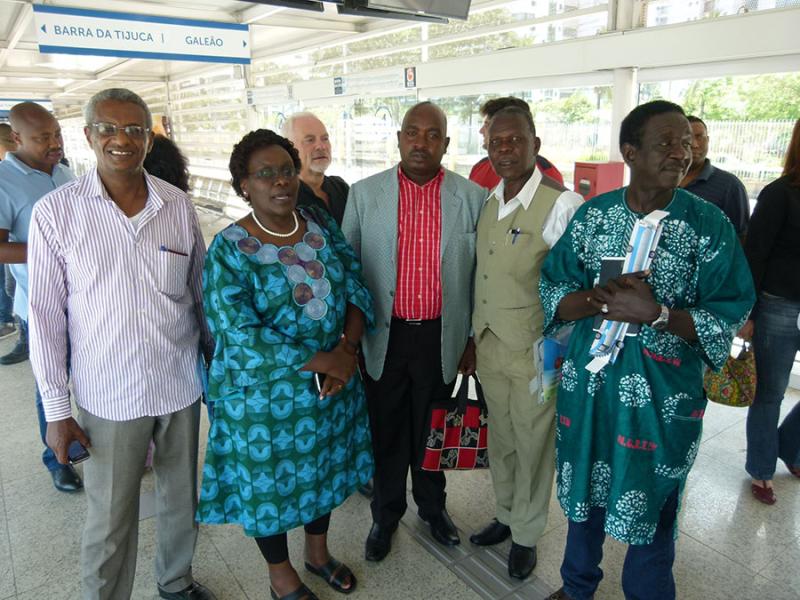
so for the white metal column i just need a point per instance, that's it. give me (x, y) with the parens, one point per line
(625, 90)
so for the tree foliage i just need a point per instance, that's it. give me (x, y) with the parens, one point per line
(771, 97)
(712, 99)
(482, 19)
(481, 45)
(575, 108)
(754, 98)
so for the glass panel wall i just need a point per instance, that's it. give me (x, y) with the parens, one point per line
(749, 120)
(209, 115)
(574, 124)
(76, 149)
(363, 133)
(668, 12)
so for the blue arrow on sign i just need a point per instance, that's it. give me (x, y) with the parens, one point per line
(244, 44)
(44, 28)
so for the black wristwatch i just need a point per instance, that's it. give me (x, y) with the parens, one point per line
(661, 323)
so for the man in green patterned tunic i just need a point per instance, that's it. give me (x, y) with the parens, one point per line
(627, 435)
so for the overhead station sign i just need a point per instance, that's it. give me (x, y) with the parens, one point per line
(103, 33)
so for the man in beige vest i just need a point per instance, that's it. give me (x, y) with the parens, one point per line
(522, 219)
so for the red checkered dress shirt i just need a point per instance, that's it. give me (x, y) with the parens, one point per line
(419, 234)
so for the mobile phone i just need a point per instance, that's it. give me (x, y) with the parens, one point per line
(77, 453)
(319, 380)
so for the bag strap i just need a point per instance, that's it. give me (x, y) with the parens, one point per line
(462, 395)
(747, 347)
(479, 392)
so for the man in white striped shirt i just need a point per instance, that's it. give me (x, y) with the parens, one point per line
(115, 261)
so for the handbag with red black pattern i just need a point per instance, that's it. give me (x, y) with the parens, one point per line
(458, 434)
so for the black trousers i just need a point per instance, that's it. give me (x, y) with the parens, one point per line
(398, 408)
(275, 548)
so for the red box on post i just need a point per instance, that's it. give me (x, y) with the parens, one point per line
(594, 178)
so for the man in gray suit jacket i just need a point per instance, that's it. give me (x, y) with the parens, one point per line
(413, 228)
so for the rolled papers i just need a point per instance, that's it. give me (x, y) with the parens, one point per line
(610, 339)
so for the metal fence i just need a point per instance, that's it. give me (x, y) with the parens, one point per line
(751, 150)
(367, 145)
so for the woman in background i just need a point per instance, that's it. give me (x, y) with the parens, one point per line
(773, 251)
(167, 162)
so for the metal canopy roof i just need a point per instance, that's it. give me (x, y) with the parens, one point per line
(25, 73)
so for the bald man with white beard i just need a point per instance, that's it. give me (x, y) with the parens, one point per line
(310, 137)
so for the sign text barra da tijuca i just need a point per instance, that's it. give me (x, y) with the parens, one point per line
(102, 33)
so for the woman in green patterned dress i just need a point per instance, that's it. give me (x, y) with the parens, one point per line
(286, 304)
(627, 435)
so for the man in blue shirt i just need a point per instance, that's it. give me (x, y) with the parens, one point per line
(26, 175)
(713, 184)
(6, 298)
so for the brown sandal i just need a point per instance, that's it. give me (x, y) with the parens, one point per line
(335, 575)
(763, 494)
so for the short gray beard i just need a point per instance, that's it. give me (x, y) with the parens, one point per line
(317, 169)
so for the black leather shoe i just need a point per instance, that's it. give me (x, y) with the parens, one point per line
(66, 479)
(521, 560)
(494, 533)
(17, 355)
(379, 542)
(560, 594)
(442, 529)
(193, 592)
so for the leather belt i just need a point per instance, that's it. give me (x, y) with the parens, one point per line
(414, 322)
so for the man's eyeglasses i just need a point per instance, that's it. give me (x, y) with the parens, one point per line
(514, 140)
(271, 173)
(110, 130)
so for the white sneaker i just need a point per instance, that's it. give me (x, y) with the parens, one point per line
(7, 329)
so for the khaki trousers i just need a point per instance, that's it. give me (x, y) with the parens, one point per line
(521, 438)
(112, 477)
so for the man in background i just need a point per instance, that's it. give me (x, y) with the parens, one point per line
(26, 174)
(711, 183)
(7, 327)
(6, 140)
(310, 137)
(483, 172)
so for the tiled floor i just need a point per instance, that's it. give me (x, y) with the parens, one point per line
(730, 546)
